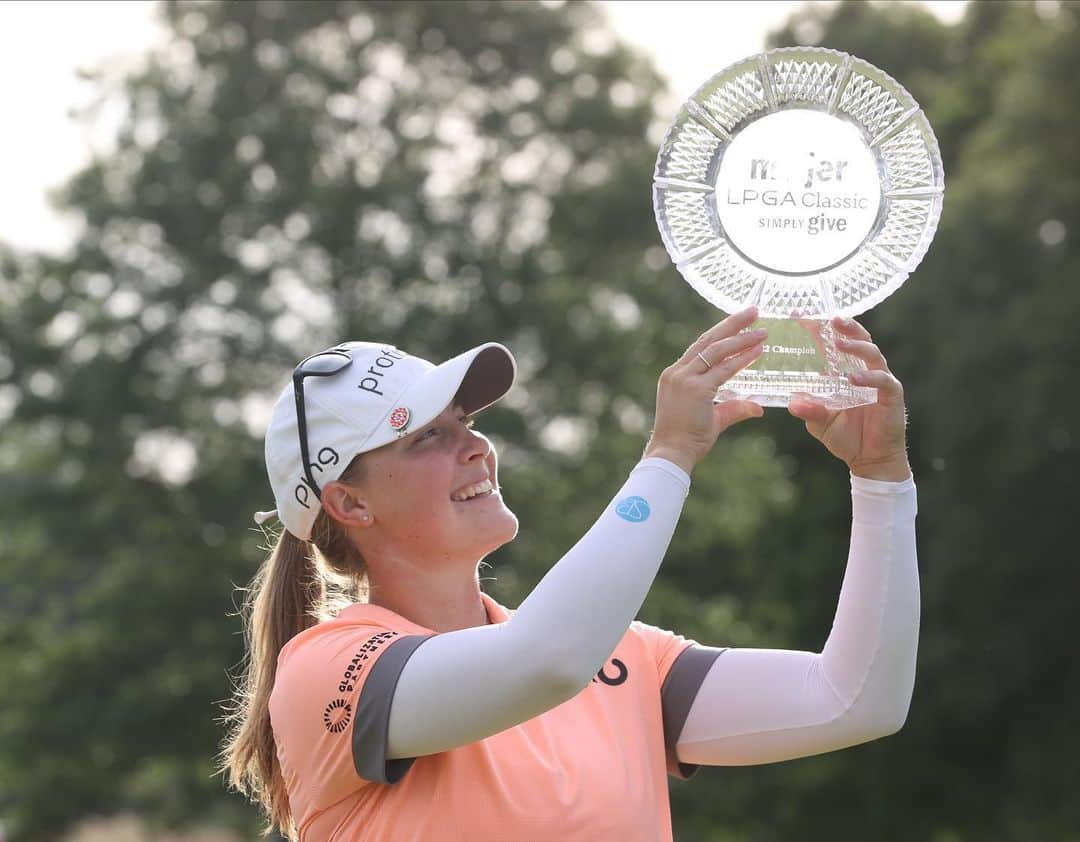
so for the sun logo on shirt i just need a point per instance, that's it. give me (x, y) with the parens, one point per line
(337, 716)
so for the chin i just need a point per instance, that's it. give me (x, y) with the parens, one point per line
(502, 533)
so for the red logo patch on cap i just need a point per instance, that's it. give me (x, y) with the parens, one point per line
(399, 418)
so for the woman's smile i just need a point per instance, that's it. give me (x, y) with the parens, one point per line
(479, 489)
(487, 495)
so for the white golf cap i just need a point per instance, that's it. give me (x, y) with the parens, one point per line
(381, 395)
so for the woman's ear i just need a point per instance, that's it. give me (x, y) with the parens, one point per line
(345, 504)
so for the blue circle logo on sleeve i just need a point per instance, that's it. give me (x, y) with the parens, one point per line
(633, 509)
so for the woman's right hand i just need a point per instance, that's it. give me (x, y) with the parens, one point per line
(687, 421)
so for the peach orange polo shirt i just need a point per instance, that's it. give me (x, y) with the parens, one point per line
(593, 768)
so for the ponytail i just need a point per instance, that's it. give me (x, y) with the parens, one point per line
(281, 602)
(296, 587)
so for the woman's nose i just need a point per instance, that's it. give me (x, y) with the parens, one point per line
(476, 446)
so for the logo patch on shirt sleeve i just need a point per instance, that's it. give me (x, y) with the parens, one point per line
(337, 715)
(633, 509)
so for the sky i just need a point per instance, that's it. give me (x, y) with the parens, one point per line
(43, 45)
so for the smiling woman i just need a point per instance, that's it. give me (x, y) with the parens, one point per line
(418, 707)
(424, 567)
(354, 444)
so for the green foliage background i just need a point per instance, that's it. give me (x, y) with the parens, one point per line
(288, 175)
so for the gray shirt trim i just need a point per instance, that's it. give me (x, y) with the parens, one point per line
(373, 714)
(677, 696)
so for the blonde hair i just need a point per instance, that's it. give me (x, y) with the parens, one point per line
(298, 585)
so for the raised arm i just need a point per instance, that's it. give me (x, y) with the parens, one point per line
(757, 706)
(465, 685)
(762, 705)
(462, 686)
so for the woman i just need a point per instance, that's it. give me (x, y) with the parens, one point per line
(431, 712)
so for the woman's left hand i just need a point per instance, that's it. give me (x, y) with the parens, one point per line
(869, 438)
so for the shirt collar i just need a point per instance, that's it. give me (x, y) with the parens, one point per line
(377, 615)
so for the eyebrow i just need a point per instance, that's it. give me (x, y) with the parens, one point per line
(433, 421)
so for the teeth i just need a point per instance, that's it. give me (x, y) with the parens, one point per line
(471, 491)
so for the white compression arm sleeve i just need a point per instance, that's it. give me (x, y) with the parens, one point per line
(462, 686)
(760, 705)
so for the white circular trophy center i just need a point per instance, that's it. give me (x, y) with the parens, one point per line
(798, 191)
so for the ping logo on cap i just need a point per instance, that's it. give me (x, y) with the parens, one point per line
(399, 418)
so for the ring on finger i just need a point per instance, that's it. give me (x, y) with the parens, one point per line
(702, 357)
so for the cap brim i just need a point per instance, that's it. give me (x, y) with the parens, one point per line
(487, 373)
(476, 378)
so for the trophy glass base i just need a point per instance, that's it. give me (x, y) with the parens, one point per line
(800, 356)
(776, 388)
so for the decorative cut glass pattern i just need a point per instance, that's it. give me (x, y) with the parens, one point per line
(736, 99)
(687, 151)
(857, 281)
(872, 106)
(783, 297)
(803, 81)
(903, 229)
(907, 159)
(723, 278)
(688, 219)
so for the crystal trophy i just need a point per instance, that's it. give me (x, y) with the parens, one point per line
(809, 183)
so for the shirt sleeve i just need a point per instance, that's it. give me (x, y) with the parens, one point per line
(681, 667)
(765, 705)
(330, 709)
